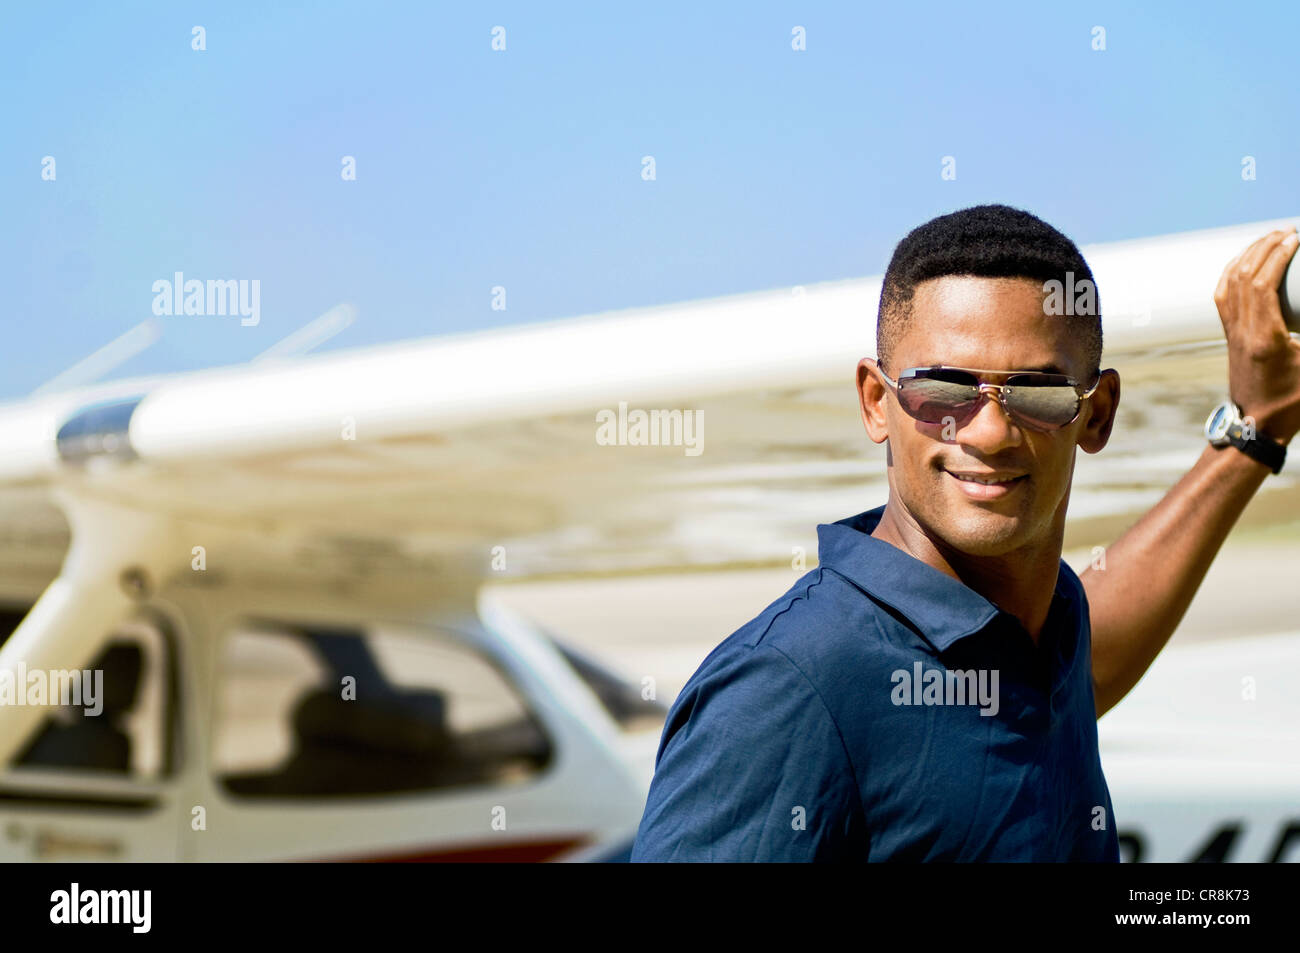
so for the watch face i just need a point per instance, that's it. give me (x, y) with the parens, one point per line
(1216, 428)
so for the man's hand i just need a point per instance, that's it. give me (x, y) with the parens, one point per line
(1263, 359)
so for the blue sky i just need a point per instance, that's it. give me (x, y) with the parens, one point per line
(522, 169)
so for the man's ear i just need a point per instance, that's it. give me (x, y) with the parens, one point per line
(1099, 413)
(871, 400)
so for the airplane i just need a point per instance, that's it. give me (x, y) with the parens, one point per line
(237, 549)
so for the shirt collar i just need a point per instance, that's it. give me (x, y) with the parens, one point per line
(941, 607)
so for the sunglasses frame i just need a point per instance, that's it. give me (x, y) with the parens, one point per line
(999, 391)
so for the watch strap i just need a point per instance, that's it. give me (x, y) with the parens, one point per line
(1268, 452)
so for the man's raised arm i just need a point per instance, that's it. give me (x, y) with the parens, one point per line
(1154, 569)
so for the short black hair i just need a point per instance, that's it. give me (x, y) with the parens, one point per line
(987, 241)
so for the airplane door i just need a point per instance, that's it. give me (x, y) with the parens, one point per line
(96, 780)
(351, 744)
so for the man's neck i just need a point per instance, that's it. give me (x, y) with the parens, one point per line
(1021, 582)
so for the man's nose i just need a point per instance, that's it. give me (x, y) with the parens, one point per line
(989, 429)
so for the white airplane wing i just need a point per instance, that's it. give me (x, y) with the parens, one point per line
(429, 454)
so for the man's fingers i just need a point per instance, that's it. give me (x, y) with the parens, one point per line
(1256, 254)
(1238, 266)
(1273, 267)
(1231, 295)
(1221, 289)
(1259, 301)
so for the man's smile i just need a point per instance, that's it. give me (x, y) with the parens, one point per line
(987, 484)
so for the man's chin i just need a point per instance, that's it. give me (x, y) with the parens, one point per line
(983, 533)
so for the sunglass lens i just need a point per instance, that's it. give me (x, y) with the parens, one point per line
(931, 399)
(1047, 407)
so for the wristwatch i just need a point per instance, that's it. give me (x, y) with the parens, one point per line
(1225, 427)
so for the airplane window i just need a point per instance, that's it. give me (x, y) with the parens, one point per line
(330, 713)
(115, 723)
(10, 617)
(621, 698)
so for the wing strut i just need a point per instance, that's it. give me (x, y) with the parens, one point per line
(111, 546)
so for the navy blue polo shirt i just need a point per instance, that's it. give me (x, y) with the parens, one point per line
(882, 710)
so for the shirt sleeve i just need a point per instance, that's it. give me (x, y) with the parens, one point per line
(751, 767)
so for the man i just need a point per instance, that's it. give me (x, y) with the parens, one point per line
(931, 690)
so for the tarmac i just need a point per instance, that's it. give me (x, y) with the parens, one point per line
(664, 625)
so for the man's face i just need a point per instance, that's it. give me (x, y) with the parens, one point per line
(994, 324)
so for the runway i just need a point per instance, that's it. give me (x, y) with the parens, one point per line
(664, 625)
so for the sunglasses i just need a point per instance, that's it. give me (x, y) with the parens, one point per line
(1037, 400)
